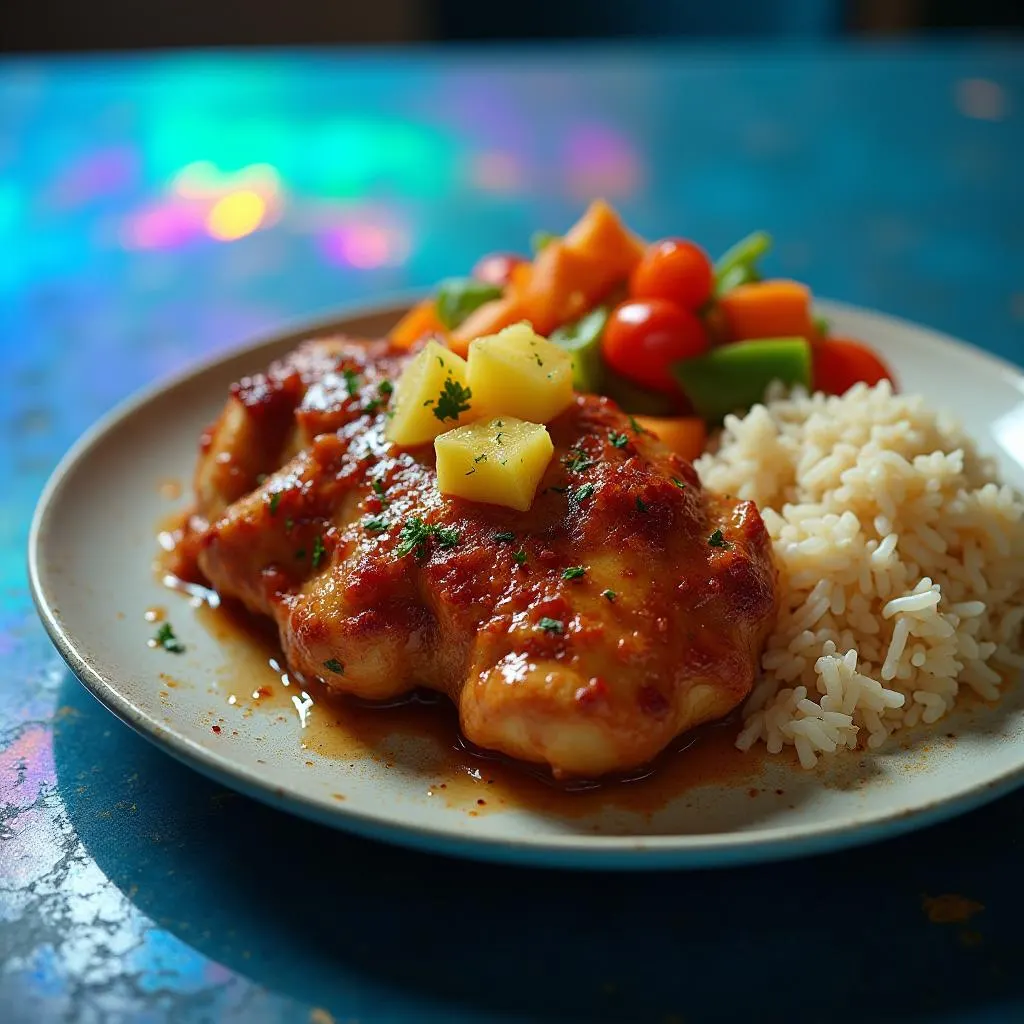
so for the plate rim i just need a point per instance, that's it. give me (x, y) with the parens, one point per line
(575, 850)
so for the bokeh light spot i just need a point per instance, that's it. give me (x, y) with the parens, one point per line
(236, 215)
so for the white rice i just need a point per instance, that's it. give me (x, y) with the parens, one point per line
(901, 566)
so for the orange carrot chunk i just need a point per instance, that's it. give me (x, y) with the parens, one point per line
(418, 322)
(684, 435)
(768, 309)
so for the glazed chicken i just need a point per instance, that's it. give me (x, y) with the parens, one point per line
(627, 606)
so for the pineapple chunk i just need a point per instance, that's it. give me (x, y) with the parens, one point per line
(519, 373)
(429, 397)
(499, 461)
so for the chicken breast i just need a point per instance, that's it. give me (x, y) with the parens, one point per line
(627, 606)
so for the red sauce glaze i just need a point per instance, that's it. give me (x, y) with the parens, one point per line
(324, 546)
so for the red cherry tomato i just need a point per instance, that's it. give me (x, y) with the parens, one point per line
(643, 340)
(676, 270)
(497, 268)
(839, 363)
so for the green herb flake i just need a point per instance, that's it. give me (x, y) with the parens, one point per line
(716, 540)
(617, 440)
(372, 406)
(637, 429)
(275, 500)
(453, 400)
(574, 572)
(446, 537)
(379, 490)
(505, 537)
(166, 639)
(351, 381)
(385, 388)
(415, 534)
(318, 550)
(335, 666)
(376, 524)
(581, 494)
(609, 595)
(519, 557)
(578, 461)
(679, 483)
(481, 458)
(641, 505)
(551, 625)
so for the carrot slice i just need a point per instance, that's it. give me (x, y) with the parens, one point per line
(419, 321)
(839, 363)
(486, 319)
(572, 274)
(685, 435)
(768, 309)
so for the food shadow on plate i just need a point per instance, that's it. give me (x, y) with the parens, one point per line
(339, 922)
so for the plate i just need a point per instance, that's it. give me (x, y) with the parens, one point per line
(222, 709)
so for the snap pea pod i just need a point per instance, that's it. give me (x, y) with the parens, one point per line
(582, 340)
(457, 297)
(739, 264)
(732, 378)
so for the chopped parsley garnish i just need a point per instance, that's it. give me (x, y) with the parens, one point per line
(351, 381)
(275, 500)
(385, 387)
(166, 639)
(505, 537)
(378, 489)
(415, 535)
(551, 625)
(580, 495)
(618, 440)
(577, 461)
(637, 429)
(482, 457)
(641, 505)
(453, 400)
(716, 540)
(469, 472)
(335, 666)
(679, 483)
(519, 557)
(372, 405)
(318, 550)
(609, 594)
(574, 572)
(378, 524)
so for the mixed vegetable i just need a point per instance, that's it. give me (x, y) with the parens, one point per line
(660, 328)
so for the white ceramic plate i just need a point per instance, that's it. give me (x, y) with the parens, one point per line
(91, 554)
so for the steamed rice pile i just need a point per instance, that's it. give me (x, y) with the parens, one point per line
(901, 564)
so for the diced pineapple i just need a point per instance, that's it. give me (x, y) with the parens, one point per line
(499, 461)
(430, 397)
(519, 373)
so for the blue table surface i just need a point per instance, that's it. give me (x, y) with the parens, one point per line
(153, 210)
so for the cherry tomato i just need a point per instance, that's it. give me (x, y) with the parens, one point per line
(839, 363)
(497, 268)
(643, 339)
(676, 270)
